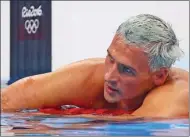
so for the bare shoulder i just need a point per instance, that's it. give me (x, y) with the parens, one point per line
(178, 73)
(170, 99)
(89, 61)
(82, 66)
(178, 82)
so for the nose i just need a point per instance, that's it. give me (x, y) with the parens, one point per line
(112, 75)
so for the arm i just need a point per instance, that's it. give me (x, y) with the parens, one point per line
(71, 84)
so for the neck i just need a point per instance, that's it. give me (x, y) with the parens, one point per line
(131, 104)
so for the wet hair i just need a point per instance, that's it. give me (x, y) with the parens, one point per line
(155, 36)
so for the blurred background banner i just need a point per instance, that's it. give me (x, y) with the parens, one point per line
(30, 38)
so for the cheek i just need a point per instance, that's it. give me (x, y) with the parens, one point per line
(130, 85)
(134, 87)
(108, 65)
(146, 84)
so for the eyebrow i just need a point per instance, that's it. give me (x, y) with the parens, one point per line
(121, 63)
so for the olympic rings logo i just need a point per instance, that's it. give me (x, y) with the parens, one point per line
(32, 26)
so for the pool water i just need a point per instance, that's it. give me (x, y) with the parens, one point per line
(33, 123)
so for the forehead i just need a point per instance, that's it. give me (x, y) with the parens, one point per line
(128, 54)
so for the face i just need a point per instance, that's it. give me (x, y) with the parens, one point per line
(127, 73)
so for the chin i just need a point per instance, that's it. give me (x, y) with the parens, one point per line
(110, 99)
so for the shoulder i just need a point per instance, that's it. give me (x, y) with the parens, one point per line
(177, 81)
(178, 73)
(175, 88)
(83, 67)
(170, 99)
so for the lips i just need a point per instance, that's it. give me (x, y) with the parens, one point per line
(111, 90)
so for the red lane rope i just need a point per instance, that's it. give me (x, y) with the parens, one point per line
(78, 111)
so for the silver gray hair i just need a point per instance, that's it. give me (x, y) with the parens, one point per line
(155, 36)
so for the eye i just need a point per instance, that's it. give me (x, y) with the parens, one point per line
(126, 70)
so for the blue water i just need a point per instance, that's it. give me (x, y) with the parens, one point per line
(33, 123)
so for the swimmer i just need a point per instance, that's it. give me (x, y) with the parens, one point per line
(136, 75)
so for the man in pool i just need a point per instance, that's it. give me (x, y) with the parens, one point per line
(136, 75)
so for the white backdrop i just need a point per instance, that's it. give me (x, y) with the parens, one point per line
(85, 29)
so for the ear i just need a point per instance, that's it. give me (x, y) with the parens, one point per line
(160, 76)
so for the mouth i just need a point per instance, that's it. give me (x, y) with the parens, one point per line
(111, 90)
